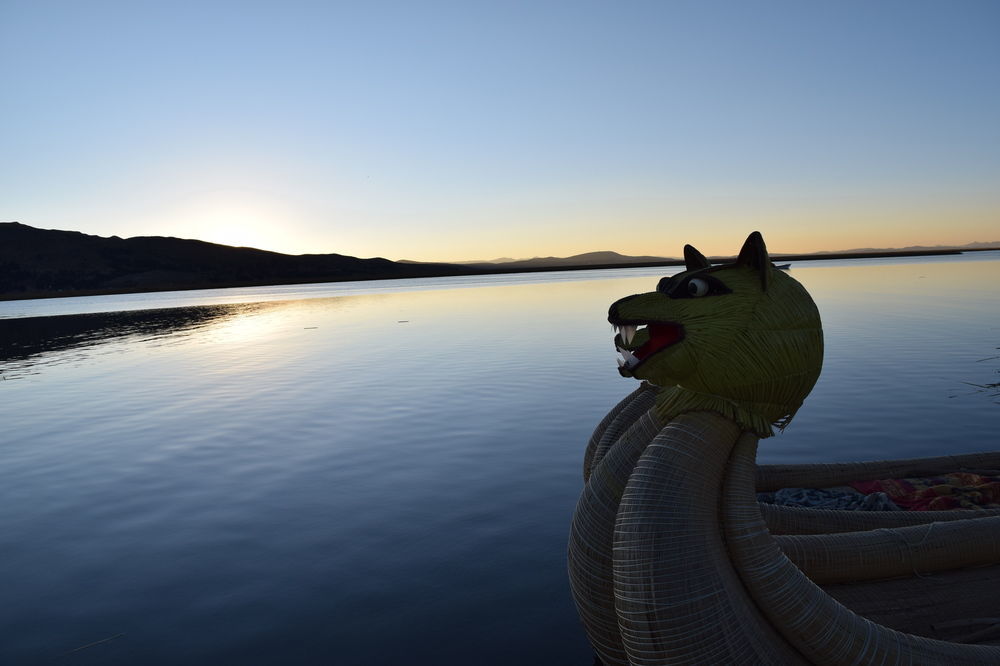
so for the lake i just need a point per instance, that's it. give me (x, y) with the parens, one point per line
(384, 472)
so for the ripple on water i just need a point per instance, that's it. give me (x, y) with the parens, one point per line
(316, 482)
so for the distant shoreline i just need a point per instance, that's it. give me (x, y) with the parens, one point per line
(480, 269)
(775, 258)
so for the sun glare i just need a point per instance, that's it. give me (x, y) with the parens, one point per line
(243, 233)
(240, 224)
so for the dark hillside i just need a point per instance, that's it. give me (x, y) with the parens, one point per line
(37, 262)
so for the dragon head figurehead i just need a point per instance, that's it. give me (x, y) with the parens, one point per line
(743, 339)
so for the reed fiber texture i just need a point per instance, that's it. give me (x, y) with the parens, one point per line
(803, 520)
(677, 597)
(819, 627)
(894, 552)
(824, 475)
(957, 606)
(592, 534)
(621, 417)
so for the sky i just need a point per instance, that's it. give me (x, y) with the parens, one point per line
(449, 131)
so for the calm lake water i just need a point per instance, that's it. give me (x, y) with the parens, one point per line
(384, 473)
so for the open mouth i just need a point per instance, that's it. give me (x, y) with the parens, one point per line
(638, 341)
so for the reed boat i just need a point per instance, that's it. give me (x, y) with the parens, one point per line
(932, 574)
(672, 557)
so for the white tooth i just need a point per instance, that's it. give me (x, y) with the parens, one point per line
(621, 362)
(630, 359)
(628, 332)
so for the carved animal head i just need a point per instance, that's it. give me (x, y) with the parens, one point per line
(744, 332)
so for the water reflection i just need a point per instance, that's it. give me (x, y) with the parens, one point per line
(30, 341)
(279, 481)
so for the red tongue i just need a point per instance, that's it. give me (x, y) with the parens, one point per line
(660, 336)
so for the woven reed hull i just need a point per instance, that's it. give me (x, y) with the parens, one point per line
(959, 605)
(655, 586)
(926, 573)
(824, 475)
(813, 621)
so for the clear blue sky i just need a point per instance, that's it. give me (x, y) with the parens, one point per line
(472, 130)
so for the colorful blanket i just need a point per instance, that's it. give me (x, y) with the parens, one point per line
(958, 490)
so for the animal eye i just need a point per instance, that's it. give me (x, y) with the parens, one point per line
(697, 287)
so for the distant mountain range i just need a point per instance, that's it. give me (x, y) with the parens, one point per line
(38, 262)
(918, 248)
(611, 258)
(586, 259)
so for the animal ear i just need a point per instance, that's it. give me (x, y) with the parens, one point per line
(694, 260)
(754, 254)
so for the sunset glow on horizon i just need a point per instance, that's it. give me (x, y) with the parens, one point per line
(453, 132)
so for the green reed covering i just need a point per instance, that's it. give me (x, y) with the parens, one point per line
(752, 347)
